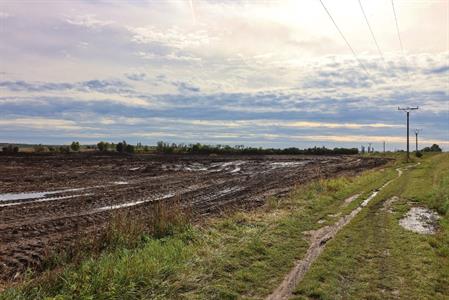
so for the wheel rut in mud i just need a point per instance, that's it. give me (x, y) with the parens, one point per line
(47, 201)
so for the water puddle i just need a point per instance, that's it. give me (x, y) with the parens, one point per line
(120, 182)
(34, 195)
(129, 204)
(420, 220)
(45, 199)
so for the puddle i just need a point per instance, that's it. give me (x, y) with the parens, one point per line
(129, 204)
(33, 195)
(45, 200)
(289, 164)
(120, 182)
(420, 220)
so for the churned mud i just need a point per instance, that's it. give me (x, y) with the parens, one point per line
(46, 201)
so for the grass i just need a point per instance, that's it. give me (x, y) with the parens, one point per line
(242, 255)
(375, 258)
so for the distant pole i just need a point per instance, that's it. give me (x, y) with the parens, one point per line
(407, 110)
(384, 146)
(417, 131)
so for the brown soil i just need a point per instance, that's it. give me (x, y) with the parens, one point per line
(83, 191)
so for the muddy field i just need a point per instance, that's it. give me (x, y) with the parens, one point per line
(46, 200)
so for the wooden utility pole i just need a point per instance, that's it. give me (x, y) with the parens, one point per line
(407, 110)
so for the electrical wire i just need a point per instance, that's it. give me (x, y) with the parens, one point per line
(372, 32)
(344, 38)
(399, 35)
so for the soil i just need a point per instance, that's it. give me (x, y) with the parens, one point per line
(47, 201)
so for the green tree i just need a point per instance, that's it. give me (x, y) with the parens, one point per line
(75, 146)
(102, 146)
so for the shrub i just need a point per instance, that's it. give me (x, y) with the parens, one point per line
(129, 148)
(433, 148)
(10, 149)
(75, 146)
(64, 149)
(121, 147)
(418, 154)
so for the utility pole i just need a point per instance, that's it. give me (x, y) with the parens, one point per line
(417, 131)
(384, 146)
(408, 110)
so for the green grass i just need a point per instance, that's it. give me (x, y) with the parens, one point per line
(375, 258)
(244, 255)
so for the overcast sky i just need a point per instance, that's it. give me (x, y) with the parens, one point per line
(261, 73)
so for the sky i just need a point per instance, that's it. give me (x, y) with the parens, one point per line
(255, 73)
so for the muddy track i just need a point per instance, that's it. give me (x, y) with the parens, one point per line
(47, 201)
(319, 239)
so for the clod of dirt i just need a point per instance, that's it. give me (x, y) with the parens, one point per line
(420, 220)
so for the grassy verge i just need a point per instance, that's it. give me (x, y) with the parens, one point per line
(244, 255)
(375, 258)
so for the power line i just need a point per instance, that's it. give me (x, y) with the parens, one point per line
(399, 33)
(344, 38)
(371, 30)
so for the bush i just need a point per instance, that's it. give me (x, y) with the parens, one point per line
(10, 149)
(129, 149)
(433, 148)
(121, 147)
(75, 146)
(64, 149)
(418, 154)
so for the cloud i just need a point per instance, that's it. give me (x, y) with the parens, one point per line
(172, 37)
(185, 87)
(104, 86)
(89, 21)
(4, 15)
(439, 70)
(136, 76)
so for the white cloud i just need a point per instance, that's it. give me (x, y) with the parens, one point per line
(88, 20)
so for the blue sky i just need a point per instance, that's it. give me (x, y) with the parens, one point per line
(261, 73)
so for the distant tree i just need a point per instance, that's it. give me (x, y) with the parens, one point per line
(102, 146)
(75, 146)
(64, 149)
(121, 147)
(10, 149)
(129, 148)
(433, 148)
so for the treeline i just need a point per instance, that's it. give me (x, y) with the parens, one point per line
(173, 148)
(240, 149)
(122, 147)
